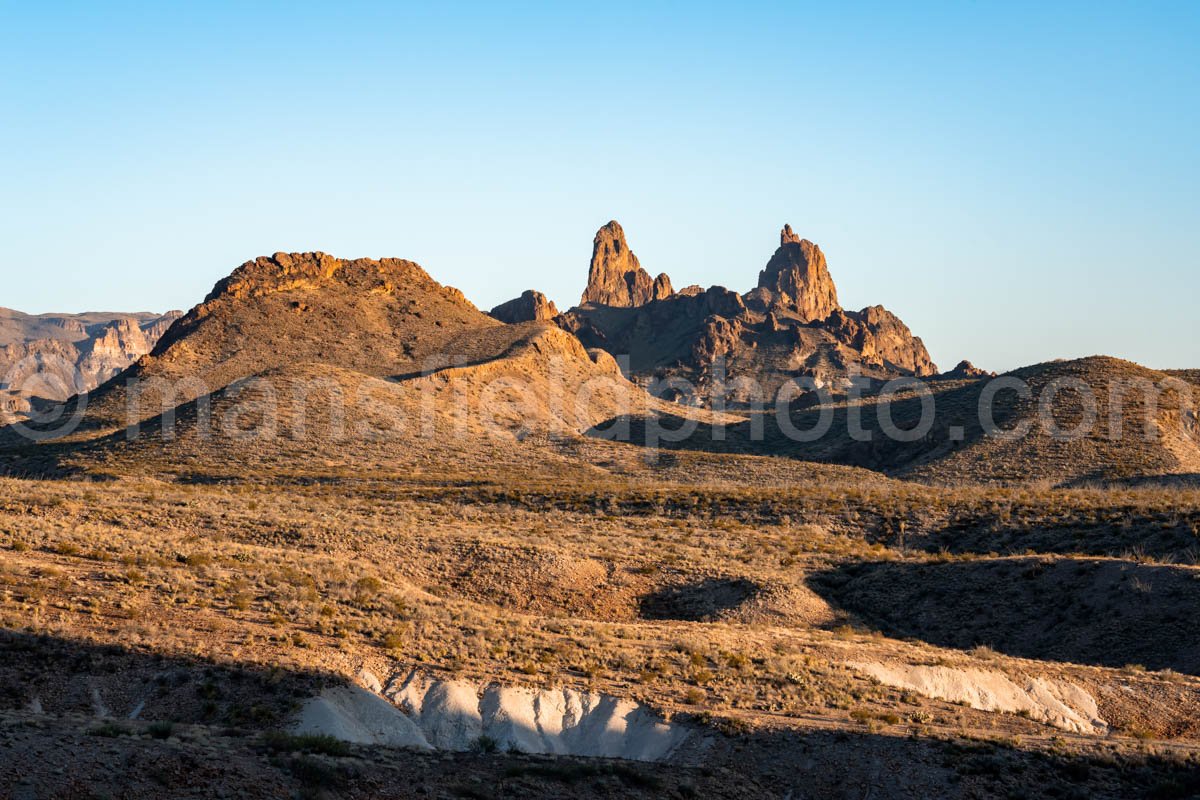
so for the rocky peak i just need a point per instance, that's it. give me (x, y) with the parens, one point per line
(531, 306)
(965, 369)
(616, 278)
(321, 272)
(798, 278)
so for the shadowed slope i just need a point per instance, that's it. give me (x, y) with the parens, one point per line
(1092, 419)
(1092, 611)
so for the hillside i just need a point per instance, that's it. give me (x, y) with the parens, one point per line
(1105, 420)
(358, 537)
(1143, 425)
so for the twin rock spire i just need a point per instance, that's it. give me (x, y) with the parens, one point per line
(796, 279)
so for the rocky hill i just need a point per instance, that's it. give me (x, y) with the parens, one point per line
(1096, 420)
(54, 356)
(790, 325)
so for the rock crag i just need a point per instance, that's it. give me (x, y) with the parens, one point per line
(798, 279)
(789, 326)
(616, 278)
(531, 306)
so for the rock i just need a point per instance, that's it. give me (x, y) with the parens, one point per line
(154, 330)
(882, 339)
(368, 681)
(799, 279)
(723, 302)
(759, 300)
(1062, 704)
(616, 278)
(352, 714)
(118, 346)
(719, 337)
(965, 369)
(531, 306)
(454, 714)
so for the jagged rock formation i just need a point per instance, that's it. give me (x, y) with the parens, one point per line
(531, 306)
(54, 356)
(790, 325)
(882, 339)
(796, 279)
(616, 278)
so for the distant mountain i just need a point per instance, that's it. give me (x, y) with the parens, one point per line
(54, 356)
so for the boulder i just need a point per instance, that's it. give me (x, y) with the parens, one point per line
(531, 306)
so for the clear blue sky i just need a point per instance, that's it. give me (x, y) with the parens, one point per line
(1018, 181)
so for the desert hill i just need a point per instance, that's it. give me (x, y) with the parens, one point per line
(493, 388)
(380, 318)
(1139, 425)
(790, 325)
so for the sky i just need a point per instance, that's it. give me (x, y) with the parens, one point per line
(1017, 181)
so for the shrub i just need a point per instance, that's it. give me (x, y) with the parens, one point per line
(110, 730)
(161, 730)
(485, 744)
(282, 742)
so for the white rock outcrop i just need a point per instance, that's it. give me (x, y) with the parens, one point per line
(358, 716)
(417, 710)
(1059, 703)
